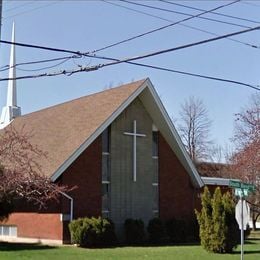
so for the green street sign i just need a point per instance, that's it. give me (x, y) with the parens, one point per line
(234, 184)
(250, 187)
(241, 189)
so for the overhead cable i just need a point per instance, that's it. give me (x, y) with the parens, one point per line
(160, 28)
(96, 67)
(186, 14)
(170, 21)
(216, 13)
(7, 67)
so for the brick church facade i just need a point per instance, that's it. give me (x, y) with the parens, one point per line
(120, 150)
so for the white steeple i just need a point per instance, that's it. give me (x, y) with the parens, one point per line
(11, 110)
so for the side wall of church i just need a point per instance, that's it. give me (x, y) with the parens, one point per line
(85, 175)
(177, 195)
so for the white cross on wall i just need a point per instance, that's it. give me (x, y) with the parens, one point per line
(134, 134)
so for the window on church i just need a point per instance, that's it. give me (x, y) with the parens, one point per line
(155, 197)
(106, 155)
(105, 198)
(6, 230)
(155, 144)
(155, 156)
(106, 140)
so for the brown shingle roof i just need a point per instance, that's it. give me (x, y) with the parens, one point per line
(61, 129)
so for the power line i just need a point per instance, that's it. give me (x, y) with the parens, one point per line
(142, 56)
(87, 54)
(189, 45)
(251, 4)
(26, 45)
(48, 67)
(167, 20)
(217, 13)
(96, 67)
(130, 61)
(16, 7)
(161, 28)
(7, 67)
(32, 10)
(186, 14)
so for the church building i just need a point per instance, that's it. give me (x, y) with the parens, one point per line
(121, 151)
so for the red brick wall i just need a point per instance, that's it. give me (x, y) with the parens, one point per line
(34, 225)
(85, 173)
(177, 194)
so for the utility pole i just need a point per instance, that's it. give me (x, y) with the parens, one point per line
(1, 3)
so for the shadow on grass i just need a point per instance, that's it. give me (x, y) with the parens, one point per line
(247, 252)
(5, 246)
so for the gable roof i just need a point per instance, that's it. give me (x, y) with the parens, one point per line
(66, 130)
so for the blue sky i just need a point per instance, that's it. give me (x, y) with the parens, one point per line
(88, 25)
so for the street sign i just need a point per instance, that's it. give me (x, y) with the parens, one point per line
(242, 208)
(241, 189)
(247, 186)
(245, 214)
(234, 184)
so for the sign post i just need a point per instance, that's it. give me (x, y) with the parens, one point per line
(242, 190)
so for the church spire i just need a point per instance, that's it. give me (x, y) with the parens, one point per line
(11, 110)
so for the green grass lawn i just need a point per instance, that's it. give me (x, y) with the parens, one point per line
(194, 252)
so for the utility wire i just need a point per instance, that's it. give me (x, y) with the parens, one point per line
(161, 28)
(180, 23)
(140, 35)
(87, 54)
(252, 4)
(130, 61)
(41, 47)
(189, 45)
(96, 67)
(16, 7)
(7, 67)
(48, 67)
(217, 13)
(177, 12)
(142, 56)
(32, 10)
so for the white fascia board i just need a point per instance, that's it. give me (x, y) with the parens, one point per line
(217, 181)
(99, 130)
(189, 164)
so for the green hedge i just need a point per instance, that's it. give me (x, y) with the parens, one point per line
(134, 231)
(176, 230)
(156, 230)
(92, 232)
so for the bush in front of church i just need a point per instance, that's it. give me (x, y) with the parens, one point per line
(92, 232)
(219, 231)
(176, 230)
(156, 230)
(134, 231)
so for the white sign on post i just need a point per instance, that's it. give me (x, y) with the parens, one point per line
(246, 214)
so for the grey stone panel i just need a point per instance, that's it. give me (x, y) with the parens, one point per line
(131, 199)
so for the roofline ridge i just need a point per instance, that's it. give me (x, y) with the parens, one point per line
(82, 97)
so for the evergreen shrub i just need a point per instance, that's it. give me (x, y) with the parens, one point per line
(155, 230)
(219, 231)
(176, 230)
(92, 232)
(134, 231)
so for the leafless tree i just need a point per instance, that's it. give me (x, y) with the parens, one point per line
(245, 162)
(20, 172)
(194, 129)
